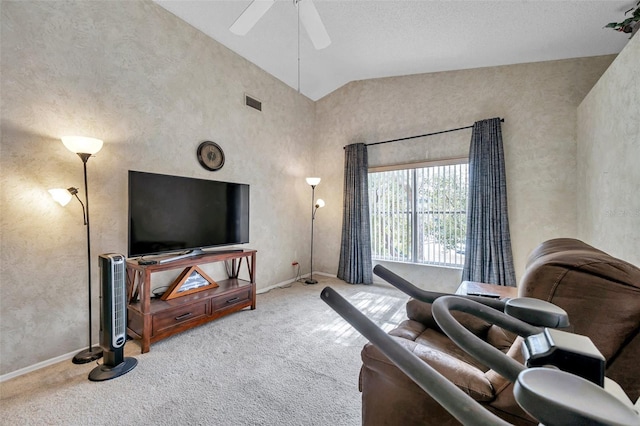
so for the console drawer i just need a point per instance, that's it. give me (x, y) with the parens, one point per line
(166, 320)
(232, 299)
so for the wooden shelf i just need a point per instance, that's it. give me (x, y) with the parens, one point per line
(152, 319)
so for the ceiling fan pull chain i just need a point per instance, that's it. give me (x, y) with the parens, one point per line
(296, 2)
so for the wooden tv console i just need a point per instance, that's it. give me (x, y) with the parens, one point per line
(151, 319)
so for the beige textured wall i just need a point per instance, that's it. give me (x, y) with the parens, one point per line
(538, 102)
(608, 158)
(152, 87)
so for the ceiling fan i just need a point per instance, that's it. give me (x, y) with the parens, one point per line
(307, 14)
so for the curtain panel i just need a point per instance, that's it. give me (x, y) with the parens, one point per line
(355, 249)
(488, 256)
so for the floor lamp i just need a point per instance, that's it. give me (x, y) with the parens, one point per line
(313, 181)
(85, 148)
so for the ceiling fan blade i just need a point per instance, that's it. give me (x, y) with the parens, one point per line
(313, 24)
(250, 16)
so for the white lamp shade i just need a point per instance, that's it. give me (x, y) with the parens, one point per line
(62, 196)
(313, 181)
(81, 144)
(320, 203)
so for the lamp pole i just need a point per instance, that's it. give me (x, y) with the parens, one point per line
(85, 148)
(313, 219)
(313, 181)
(91, 353)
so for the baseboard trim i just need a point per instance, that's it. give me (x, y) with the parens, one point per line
(291, 281)
(326, 275)
(271, 287)
(39, 365)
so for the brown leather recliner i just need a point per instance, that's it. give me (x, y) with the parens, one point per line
(600, 293)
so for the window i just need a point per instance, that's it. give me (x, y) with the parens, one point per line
(418, 213)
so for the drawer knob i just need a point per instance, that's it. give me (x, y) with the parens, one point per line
(235, 299)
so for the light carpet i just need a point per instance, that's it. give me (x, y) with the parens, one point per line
(291, 361)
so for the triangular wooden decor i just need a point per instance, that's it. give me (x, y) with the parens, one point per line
(191, 280)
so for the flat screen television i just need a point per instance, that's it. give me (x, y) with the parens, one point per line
(173, 213)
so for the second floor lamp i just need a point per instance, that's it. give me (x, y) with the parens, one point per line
(315, 205)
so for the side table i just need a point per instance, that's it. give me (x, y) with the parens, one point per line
(467, 287)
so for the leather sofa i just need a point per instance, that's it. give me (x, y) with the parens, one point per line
(600, 293)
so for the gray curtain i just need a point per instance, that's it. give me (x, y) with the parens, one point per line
(355, 250)
(488, 255)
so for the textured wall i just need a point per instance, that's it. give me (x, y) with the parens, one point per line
(608, 156)
(152, 87)
(538, 102)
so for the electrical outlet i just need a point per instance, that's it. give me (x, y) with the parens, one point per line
(294, 263)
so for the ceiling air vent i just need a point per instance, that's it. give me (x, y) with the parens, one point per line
(252, 102)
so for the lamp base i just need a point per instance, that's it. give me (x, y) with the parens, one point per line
(87, 355)
(311, 281)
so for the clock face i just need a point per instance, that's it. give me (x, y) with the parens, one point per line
(210, 155)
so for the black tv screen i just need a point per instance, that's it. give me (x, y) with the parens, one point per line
(173, 213)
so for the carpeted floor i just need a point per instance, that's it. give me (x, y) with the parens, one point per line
(292, 361)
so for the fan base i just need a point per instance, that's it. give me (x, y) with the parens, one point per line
(105, 372)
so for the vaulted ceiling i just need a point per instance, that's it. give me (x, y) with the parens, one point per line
(371, 39)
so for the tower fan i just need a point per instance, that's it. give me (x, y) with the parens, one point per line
(113, 319)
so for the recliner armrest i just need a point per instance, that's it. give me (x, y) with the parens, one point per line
(470, 379)
(421, 312)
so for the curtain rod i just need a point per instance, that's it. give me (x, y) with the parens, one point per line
(422, 136)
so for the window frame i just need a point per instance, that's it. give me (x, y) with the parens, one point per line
(415, 212)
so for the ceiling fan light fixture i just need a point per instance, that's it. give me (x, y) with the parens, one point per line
(250, 16)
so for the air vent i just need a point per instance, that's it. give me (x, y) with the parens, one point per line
(252, 102)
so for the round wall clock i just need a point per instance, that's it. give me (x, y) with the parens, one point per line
(210, 156)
